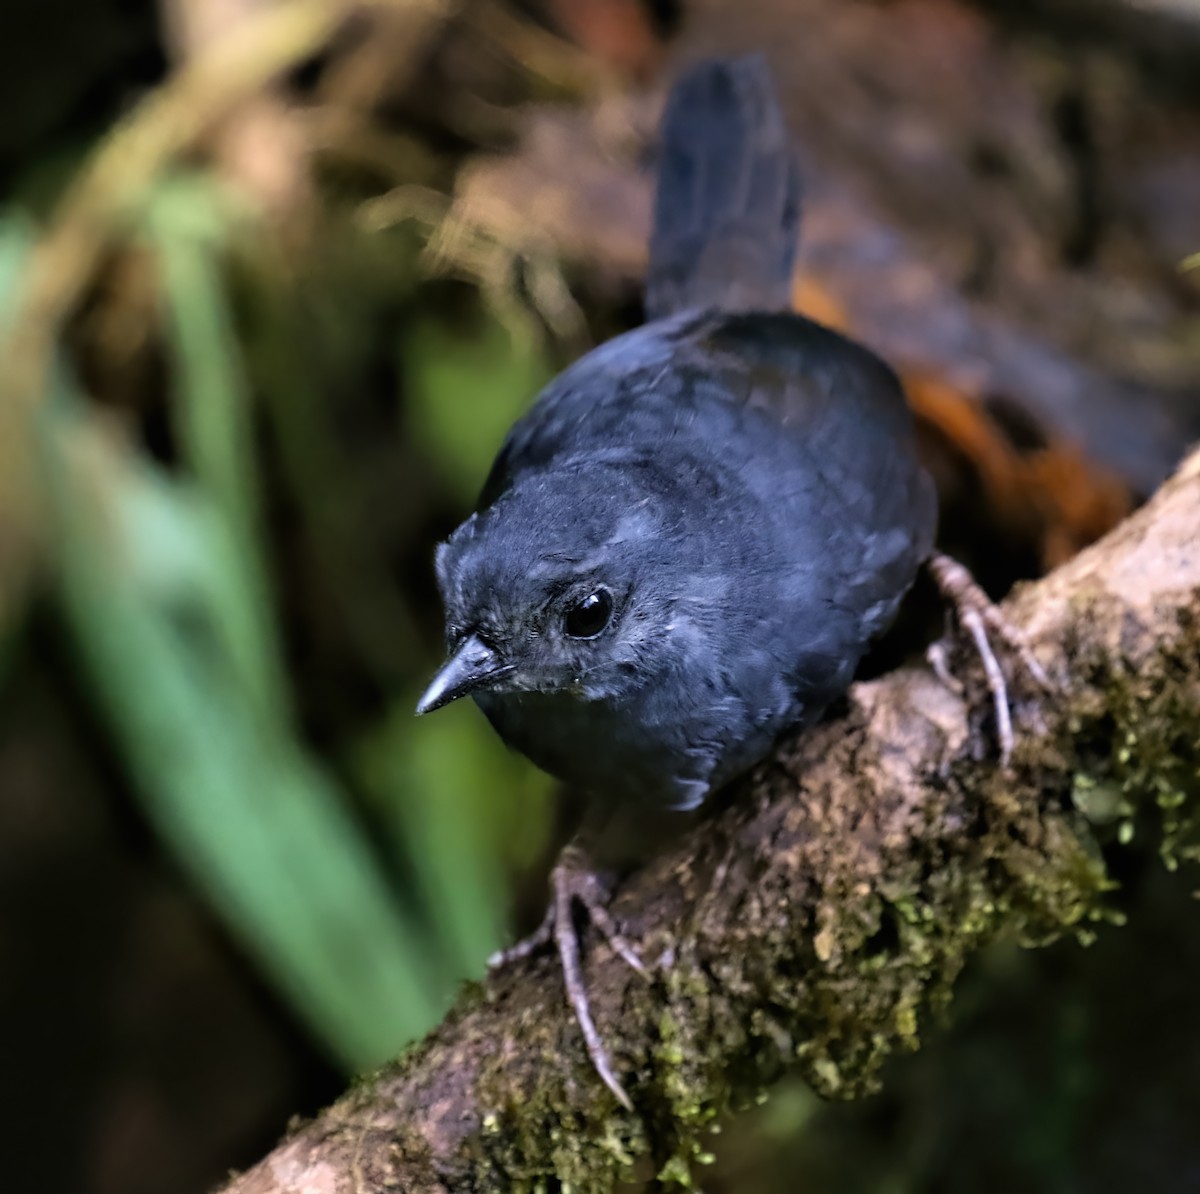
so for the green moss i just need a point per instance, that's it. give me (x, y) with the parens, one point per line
(1142, 742)
(676, 1172)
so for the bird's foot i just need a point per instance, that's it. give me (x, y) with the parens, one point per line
(573, 881)
(978, 616)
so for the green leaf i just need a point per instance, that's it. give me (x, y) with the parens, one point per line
(462, 808)
(188, 222)
(264, 833)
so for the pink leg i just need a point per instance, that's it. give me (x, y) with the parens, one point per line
(978, 615)
(574, 880)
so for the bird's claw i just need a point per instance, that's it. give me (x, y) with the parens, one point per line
(542, 936)
(571, 881)
(978, 615)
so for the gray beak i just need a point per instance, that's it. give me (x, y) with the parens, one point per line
(471, 666)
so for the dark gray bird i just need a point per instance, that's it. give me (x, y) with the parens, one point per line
(685, 547)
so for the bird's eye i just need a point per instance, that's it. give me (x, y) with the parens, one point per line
(587, 618)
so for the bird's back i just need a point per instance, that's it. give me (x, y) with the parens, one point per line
(794, 421)
(722, 363)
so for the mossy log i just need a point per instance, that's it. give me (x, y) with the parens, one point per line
(818, 922)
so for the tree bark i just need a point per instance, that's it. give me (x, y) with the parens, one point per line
(818, 921)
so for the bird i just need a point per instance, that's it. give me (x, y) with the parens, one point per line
(687, 544)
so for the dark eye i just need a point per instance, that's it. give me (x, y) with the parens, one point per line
(588, 617)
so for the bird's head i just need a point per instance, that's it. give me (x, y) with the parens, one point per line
(569, 584)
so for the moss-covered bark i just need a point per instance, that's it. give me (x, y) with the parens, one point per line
(821, 919)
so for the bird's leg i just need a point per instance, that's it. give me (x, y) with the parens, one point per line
(978, 615)
(574, 881)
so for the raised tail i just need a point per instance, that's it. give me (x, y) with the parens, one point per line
(728, 204)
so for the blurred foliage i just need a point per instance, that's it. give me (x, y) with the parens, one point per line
(366, 883)
(467, 388)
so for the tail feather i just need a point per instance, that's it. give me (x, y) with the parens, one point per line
(728, 204)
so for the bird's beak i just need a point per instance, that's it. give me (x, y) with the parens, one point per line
(472, 665)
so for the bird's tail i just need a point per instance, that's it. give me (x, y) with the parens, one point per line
(728, 204)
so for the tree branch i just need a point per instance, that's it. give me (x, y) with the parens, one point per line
(822, 917)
